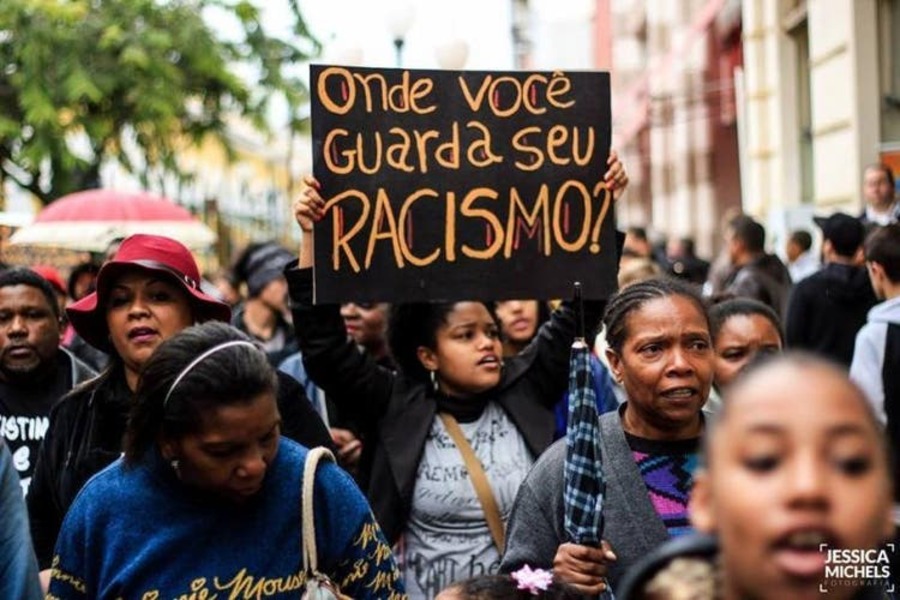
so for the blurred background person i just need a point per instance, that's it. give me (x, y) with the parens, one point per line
(264, 313)
(227, 287)
(81, 280)
(882, 207)
(755, 274)
(52, 276)
(366, 324)
(519, 322)
(81, 283)
(721, 268)
(683, 261)
(801, 261)
(637, 244)
(827, 309)
(876, 354)
(637, 269)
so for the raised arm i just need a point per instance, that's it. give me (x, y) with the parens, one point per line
(549, 352)
(350, 378)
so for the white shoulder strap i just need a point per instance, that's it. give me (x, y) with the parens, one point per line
(308, 524)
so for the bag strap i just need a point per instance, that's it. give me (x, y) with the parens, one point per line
(479, 481)
(308, 524)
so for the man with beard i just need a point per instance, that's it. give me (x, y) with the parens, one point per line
(34, 370)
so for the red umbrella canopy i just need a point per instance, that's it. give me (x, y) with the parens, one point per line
(91, 219)
(112, 205)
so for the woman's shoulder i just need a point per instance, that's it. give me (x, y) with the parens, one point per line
(114, 486)
(76, 400)
(293, 457)
(331, 479)
(549, 466)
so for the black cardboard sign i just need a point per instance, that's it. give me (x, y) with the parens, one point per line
(452, 185)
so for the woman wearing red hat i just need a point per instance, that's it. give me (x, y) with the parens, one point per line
(148, 292)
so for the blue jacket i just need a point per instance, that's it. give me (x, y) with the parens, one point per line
(138, 532)
(18, 567)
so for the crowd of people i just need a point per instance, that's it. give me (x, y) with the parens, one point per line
(156, 425)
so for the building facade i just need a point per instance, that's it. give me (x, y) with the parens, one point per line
(821, 101)
(673, 65)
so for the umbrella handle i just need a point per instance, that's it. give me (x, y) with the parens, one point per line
(579, 310)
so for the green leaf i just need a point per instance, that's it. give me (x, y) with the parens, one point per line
(146, 70)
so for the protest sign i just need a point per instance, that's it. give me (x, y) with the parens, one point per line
(449, 185)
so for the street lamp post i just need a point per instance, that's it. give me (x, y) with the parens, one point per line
(399, 20)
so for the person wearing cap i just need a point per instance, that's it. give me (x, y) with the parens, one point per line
(262, 316)
(149, 291)
(55, 280)
(879, 193)
(827, 309)
(34, 370)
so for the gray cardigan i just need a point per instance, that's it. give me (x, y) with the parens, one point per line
(632, 527)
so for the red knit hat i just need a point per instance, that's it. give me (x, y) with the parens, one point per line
(52, 275)
(150, 253)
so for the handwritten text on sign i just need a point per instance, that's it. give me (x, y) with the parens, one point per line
(451, 185)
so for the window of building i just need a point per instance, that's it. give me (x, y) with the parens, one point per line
(795, 25)
(889, 68)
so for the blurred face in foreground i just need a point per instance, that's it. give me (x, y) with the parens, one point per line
(796, 462)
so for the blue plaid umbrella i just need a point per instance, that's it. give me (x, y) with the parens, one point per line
(585, 484)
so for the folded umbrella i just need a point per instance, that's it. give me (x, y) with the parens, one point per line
(585, 485)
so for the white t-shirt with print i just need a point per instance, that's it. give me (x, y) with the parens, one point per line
(447, 538)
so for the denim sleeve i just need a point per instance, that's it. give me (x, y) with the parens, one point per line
(18, 566)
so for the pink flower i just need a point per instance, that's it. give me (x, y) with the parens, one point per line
(533, 580)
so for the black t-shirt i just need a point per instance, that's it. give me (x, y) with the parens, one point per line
(24, 410)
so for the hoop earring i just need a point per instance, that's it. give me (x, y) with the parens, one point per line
(433, 377)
